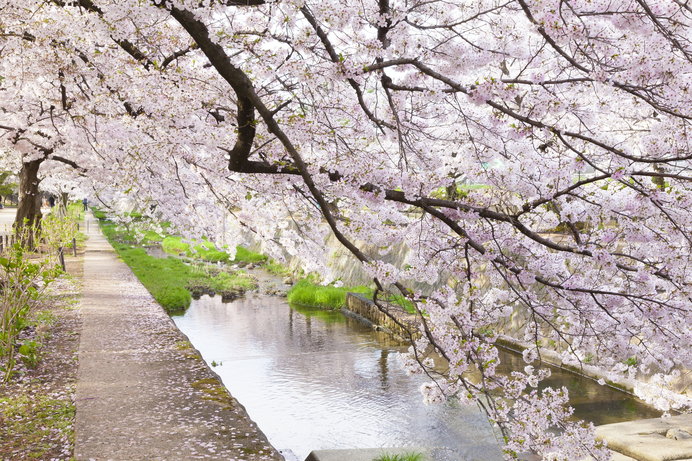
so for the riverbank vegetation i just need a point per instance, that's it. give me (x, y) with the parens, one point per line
(172, 281)
(37, 406)
(307, 292)
(204, 250)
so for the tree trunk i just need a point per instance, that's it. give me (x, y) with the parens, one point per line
(28, 217)
(62, 204)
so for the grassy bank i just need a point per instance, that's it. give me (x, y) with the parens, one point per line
(207, 251)
(204, 250)
(308, 293)
(172, 281)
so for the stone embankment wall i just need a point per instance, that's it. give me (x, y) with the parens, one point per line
(406, 325)
(403, 325)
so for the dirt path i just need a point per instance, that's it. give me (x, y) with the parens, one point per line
(143, 392)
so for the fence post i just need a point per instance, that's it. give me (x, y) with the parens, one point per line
(74, 246)
(61, 257)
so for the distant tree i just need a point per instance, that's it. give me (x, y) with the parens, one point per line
(7, 187)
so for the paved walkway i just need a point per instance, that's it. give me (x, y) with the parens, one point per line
(6, 219)
(143, 392)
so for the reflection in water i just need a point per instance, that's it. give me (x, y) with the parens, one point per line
(315, 379)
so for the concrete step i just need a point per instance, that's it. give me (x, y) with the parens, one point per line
(656, 439)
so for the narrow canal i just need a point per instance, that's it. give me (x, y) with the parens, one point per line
(315, 379)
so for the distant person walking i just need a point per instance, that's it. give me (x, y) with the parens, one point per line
(85, 202)
(51, 201)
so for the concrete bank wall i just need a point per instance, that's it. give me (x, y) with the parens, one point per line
(403, 325)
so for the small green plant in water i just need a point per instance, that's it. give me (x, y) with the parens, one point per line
(308, 293)
(243, 255)
(274, 267)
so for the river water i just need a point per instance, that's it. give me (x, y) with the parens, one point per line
(315, 379)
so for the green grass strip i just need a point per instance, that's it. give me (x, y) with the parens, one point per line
(168, 279)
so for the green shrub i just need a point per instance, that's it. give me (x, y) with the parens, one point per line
(58, 231)
(29, 352)
(75, 211)
(22, 285)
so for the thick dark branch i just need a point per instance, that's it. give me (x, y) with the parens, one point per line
(135, 52)
(254, 167)
(235, 77)
(242, 85)
(176, 55)
(69, 162)
(242, 2)
(536, 203)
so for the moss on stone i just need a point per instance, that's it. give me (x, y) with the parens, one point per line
(215, 392)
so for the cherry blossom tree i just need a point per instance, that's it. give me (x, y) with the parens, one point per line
(535, 152)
